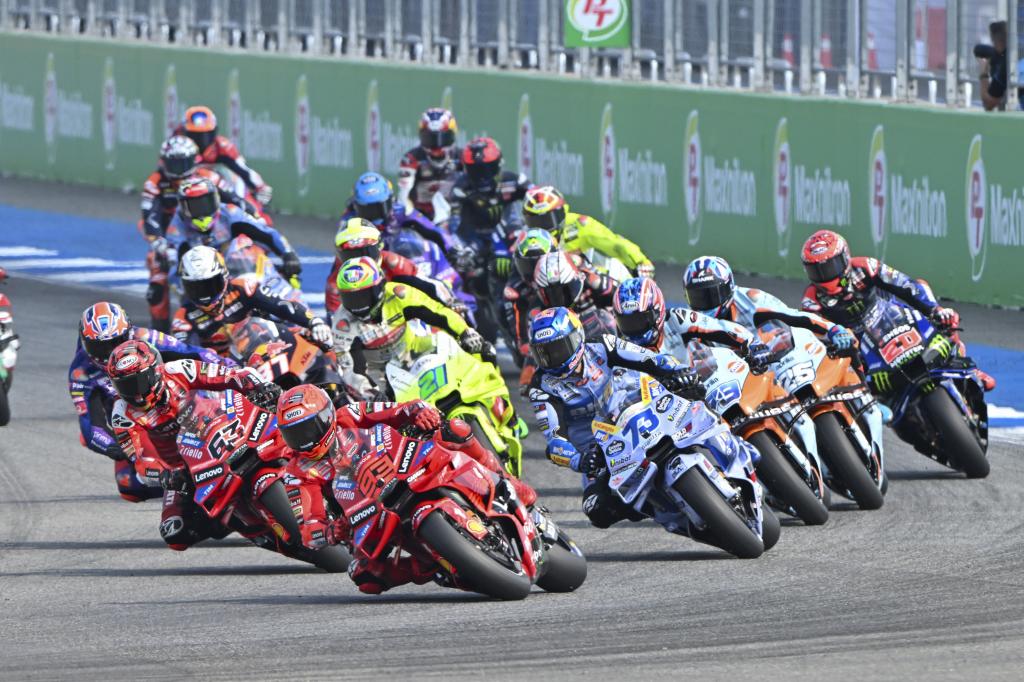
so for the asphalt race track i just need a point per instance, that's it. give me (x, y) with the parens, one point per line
(929, 586)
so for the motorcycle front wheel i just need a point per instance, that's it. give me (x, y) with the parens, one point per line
(961, 447)
(473, 566)
(565, 566)
(784, 483)
(844, 463)
(5, 406)
(726, 528)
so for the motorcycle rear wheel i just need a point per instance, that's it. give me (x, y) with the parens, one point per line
(565, 570)
(844, 463)
(784, 482)
(962, 447)
(472, 565)
(5, 406)
(728, 529)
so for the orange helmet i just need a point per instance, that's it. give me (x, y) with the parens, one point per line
(544, 207)
(826, 259)
(305, 416)
(134, 369)
(104, 327)
(201, 126)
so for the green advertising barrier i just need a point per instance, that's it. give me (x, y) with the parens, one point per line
(684, 172)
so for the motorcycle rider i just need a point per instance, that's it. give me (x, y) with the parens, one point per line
(711, 289)
(103, 327)
(358, 237)
(431, 167)
(562, 279)
(843, 288)
(643, 318)
(370, 324)
(545, 207)
(520, 298)
(566, 392)
(144, 418)
(214, 301)
(201, 126)
(326, 443)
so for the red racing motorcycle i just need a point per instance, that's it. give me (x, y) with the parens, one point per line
(8, 353)
(443, 508)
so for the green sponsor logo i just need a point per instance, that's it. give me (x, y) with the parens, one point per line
(597, 23)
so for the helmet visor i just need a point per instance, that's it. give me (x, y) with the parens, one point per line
(138, 389)
(635, 325)
(828, 270)
(100, 349)
(483, 173)
(361, 303)
(526, 265)
(179, 166)
(201, 206)
(310, 433)
(378, 213)
(205, 292)
(550, 221)
(203, 139)
(561, 294)
(371, 251)
(436, 139)
(557, 353)
(708, 296)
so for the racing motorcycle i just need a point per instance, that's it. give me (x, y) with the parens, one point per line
(771, 420)
(937, 401)
(433, 367)
(286, 356)
(244, 256)
(9, 344)
(231, 180)
(443, 508)
(431, 263)
(234, 455)
(847, 419)
(675, 461)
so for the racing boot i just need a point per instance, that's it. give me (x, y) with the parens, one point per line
(458, 435)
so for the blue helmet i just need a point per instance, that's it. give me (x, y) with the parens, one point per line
(709, 284)
(557, 340)
(374, 198)
(639, 309)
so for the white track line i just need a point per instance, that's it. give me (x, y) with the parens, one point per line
(140, 274)
(69, 263)
(23, 251)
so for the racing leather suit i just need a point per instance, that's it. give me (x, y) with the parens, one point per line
(364, 347)
(520, 303)
(93, 396)
(245, 295)
(160, 199)
(396, 268)
(682, 325)
(752, 307)
(225, 152)
(581, 232)
(150, 438)
(566, 406)
(421, 176)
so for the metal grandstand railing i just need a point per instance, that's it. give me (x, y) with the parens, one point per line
(907, 50)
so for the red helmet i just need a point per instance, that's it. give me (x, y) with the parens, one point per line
(826, 258)
(482, 160)
(201, 126)
(305, 416)
(134, 369)
(437, 131)
(104, 327)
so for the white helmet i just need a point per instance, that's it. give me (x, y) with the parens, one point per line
(204, 276)
(558, 281)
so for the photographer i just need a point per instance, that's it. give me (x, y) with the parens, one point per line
(994, 74)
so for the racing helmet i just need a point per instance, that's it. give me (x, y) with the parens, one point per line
(374, 198)
(199, 201)
(361, 285)
(306, 418)
(639, 308)
(544, 207)
(204, 276)
(529, 246)
(558, 281)
(709, 284)
(482, 160)
(104, 326)
(201, 126)
(134, 369)
(437, 131)
(826, 259)
(557, 340)
(178, 155)
(357, 237)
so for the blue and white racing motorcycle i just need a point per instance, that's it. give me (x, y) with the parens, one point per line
(937, 401)
(675, 461)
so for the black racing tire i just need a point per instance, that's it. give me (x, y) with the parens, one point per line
(332, 558)
(784, 483)
(728, 530)
(565, 568)
(473, 566)
(275, 499)
(843, 462)
(5, 406)
(962, 448)
(771, 529)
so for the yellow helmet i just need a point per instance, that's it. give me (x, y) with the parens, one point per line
(358, 237)
(544, 208)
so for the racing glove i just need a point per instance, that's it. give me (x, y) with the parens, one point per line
(422, 416)
(471, 341)
(684, 382)
(758, 356)
(321, 332)
(290, 265)
(592, 461)
(840, 337)
(645, 270)
(264, 194)
(265, 396)
(175, 479)
(461, 257)
(946, 317)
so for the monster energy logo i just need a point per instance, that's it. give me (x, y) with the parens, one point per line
(882, 381)
(941, 345)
